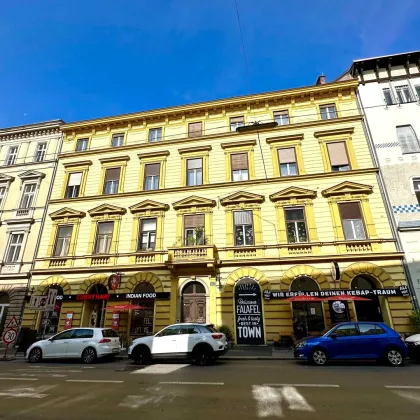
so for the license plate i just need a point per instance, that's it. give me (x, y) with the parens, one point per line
(115, 350)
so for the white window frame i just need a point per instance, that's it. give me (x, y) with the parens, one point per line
(41, 151)
(32, 194)
(9, 244)
(86, 141)
(3, 195)
(397, 89)
(235, 125)
(118, 138)
(393, 100)
(354, 230)
(9, 155)
(295, 223)
(240, 173)
(106, 237)
(65, 243)
(149, 234)
(283, 118)
(328, 113)
(154, 179)
(153, 137)
(288, 166)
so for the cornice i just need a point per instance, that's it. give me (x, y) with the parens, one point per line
(194, 149)
(78, 163)
(31, 130)
(291, 137)
(244, 143)
(115, 159)
(154, 154)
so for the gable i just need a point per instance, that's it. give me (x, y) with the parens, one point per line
(148, 205)
(6, 178)
(292, 192)
(348, 187)
(194, 201)
(31, 175)
(67, 212)
(242, 197)
(106, 209)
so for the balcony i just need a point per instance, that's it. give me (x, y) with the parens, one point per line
(195, 254)
(23, 213)
(148, 257)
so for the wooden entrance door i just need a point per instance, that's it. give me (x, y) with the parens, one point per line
(194, 303)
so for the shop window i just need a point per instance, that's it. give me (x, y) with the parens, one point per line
(41, 151)
(338, 156)
(352, 221)
(82, 145)
(147, 240)
(73, 185)
(11, 157)
(117, 140)
(194, 171)
(408, 139)
(14, 248)
(151, 176)
(112, 179)
(244, 231)
(195, 129)
(281, 117)
(296, 225)
(239, 165)
(142, 320)
(104, 237)
(62, 243)
(50, 319)
(236, 122)
(194, 229)
(287, 161)
(155, 134)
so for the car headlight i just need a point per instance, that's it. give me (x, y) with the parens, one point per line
(301, 344)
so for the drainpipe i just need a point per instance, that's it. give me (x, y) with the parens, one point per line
(388, 206)
(38, 241)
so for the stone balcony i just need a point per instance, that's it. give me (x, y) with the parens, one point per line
(192, 255)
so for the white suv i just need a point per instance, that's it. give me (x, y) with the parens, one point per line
(200, 342)
(86, 344)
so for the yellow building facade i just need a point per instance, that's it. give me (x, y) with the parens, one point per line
(219, 212)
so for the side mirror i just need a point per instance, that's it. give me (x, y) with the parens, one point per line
(333, 336)
(158, 335)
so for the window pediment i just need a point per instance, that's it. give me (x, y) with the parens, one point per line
(347, 187)
(4, 179)
(292, 192)
(31, 175)
(67, 212)
(194, 201)
(242, 197)
(148, 205)
(106, 209)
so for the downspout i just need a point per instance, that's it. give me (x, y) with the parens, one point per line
(388, 206)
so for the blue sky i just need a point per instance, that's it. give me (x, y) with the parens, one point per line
(84, 59)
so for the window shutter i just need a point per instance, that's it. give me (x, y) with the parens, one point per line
(148, 225)
(194, 163)
(75, 179)
(234, 120)
(337, 153)
(287, 155)
(112, 174)
(408, 139)
(243, 217)
(195, 129)
(152, 169)
(193, 221)
(239, 161)
(350, 211)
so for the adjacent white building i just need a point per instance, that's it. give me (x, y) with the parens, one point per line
(389, 95)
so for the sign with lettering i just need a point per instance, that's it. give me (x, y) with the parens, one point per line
(248, 312)
(114, 296)
(339, 311)
(68, 321)
(93, 297)
(44, 302)
(142, 319)
(115, 321)
(395, 291)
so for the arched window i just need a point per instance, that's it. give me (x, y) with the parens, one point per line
(367, 310)
(193, 288)
(142, 320)
(50, 319)
(96, 308)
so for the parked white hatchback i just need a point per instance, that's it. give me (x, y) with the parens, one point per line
(200, 342)
(86, 344)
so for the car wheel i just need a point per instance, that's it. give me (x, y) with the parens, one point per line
(35, 355)
(203, 356)
(394, 357)
(319, 357)
(88, 355)
(141, 355)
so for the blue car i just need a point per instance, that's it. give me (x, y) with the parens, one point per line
(353, 340)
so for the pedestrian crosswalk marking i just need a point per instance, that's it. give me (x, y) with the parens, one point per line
(37, 392)
(162, 369)
(409, 395)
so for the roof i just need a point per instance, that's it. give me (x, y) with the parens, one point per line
(31, 127)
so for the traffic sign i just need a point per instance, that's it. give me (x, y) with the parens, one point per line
(12, 324)
(9, 336)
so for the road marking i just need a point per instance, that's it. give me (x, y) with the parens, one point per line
(296, 401)
(136, 401)
(50, 371)
(160, 369)
(94, 381)
(192, 383)
(18, 379)
(408, 395)
(27, 392)
(306, 385)
(401, 387)
(268, 401)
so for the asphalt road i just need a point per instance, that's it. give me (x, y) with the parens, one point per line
(229, 390)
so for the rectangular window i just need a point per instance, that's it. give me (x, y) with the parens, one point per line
(287, 161)
(62, 243)
(239, 164)
(338, 156)
(417, 88)
(244, 231)
(73, 185)
(11, 156)
(281, 117)
(147, 240)
(104, 237)
(193, 229)
(194, 171)
(151, 176)
(408, 139)
(28, 196)
(195, 129)
(155, 134)
(352, 221)
(2, 194)
(112, 180)
(328, 112)
(117, 140)
(296, 225)
(81, 145)
(388, 96)
(15, 246)
(416, 187)
(403, 94)
(236, 122)
(41, 151)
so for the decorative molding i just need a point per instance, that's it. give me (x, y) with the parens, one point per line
(193, 201)
(67, 212)
(79, 163)
(244, 143)
(115, 159)
(242, 197)
(106, 209)
(29, 131)
(148, 205)
(347, 187)
(293, 192)
(196, 149)
(278, 139)
(336, 132)
(31, 175)
(159, 153)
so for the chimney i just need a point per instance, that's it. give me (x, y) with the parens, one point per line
(321, 80)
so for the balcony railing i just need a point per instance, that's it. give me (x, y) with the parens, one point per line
(188, 254)
(23, 213)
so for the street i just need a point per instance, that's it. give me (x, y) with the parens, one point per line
(230, 389)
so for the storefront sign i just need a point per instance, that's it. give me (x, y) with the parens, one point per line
(43, 303)
(115, 321)
(395, 291)
(142, 320)
(140, 296)
(248, 312)
(339, 311)
(116, 297)
(113, 281)
(69, 320)
(93, 297)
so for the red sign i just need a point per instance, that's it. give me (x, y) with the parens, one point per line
(12, 323)
(69, 320)
(93, 297)
(113, 281)
(9, 336)
(115, 320)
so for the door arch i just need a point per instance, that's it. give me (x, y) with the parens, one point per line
(50, 320)
(248, 312)
(4, 307)
(367, 310)
(308, 317)
(94, 311)
(142, 320)
(193, 303)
